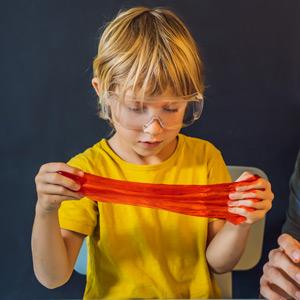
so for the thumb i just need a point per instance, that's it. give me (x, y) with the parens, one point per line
(244, 176)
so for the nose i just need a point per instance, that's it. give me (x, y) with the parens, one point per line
(154, 126)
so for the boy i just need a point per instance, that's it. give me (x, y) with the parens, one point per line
(148, 77)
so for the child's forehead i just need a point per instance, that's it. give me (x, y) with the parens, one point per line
(137, 93)
(161, 97)
(167, 95)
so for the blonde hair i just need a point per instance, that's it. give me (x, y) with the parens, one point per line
(147, 51)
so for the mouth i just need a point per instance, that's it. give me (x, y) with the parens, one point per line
(150, 144)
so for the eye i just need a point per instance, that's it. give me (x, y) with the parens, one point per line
(171, 110)
(135, 107)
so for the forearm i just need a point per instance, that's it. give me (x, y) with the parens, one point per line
(227, 247)
(50, 258)
(292, 223)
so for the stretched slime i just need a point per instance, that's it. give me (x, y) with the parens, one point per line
(194, 200)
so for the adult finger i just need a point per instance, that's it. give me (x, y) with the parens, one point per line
(268, 293)
(290, 246)
(279, 259)
(278, 278)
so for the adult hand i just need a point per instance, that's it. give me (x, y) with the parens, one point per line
(281, 274)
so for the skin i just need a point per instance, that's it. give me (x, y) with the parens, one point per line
(281, 274)
(55, 250)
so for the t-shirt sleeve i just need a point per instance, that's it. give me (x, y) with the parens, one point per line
(79, 215)
(217, 170)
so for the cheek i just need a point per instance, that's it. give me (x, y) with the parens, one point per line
(126, 134)
(171, 134)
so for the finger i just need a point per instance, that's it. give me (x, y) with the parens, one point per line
(238, 211)
(280, 260)
(244, 176)
(247, 202)
(268, 293)
(251, 216)
(290, 246)
(57, 179)
(259, 184)
(243, 195)
(254, 203)
(51, 189)
(265, 205)
(59, 166)
(254, 194)
(262, 205)
(276, 277)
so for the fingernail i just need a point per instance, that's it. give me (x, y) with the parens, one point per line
(296, 255)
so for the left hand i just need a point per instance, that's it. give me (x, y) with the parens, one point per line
(259, 190)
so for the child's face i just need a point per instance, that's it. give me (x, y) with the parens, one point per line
(146, 138)
(150, 134)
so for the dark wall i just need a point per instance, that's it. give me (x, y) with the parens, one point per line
(251, 51)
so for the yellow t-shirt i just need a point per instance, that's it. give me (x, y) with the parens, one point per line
(136, 252)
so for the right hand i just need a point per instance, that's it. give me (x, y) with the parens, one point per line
(53, 188)
(281, 277)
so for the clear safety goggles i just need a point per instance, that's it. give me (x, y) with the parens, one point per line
(170, 112)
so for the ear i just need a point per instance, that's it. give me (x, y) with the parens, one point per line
(95, 84)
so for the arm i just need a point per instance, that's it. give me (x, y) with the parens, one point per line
(226, 242)
(292, 223)
(281, 276)
(227, 245)
(54, 251)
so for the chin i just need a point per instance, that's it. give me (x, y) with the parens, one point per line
(146, 152)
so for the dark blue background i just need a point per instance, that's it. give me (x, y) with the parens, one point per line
(251, 51)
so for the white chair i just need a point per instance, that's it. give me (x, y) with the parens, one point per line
(249, 259)
(253, 250)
